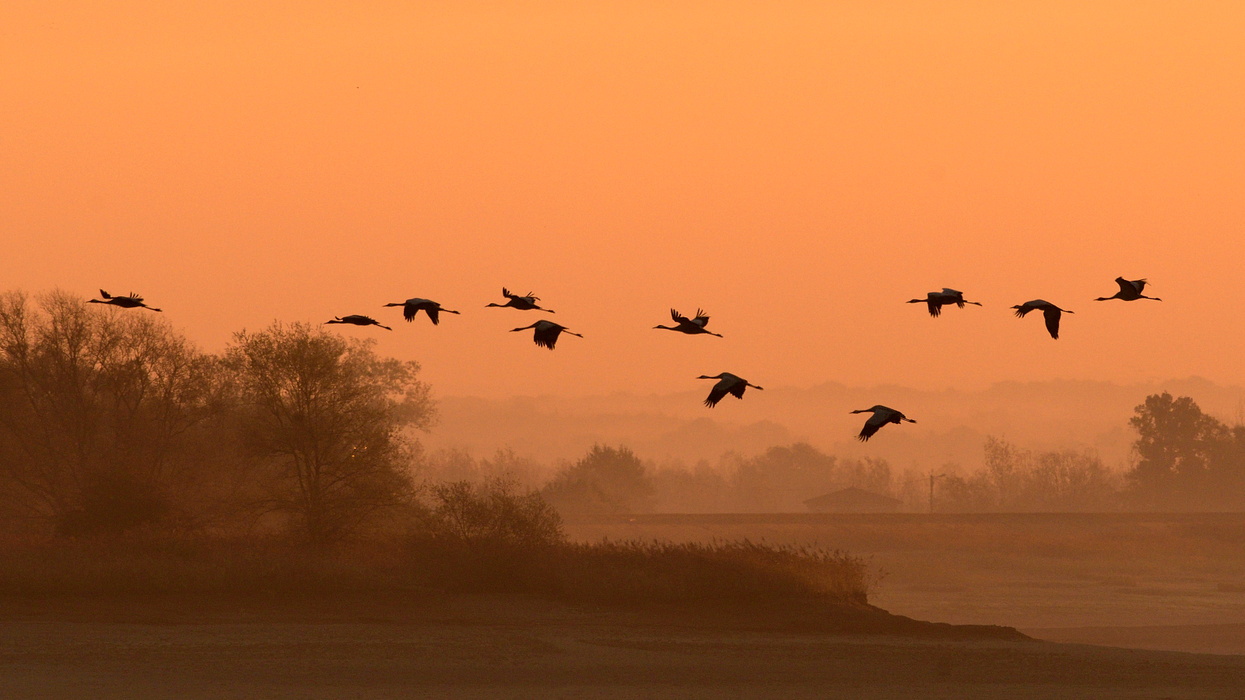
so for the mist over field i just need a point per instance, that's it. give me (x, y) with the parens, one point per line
(872, 348)
(952, 425)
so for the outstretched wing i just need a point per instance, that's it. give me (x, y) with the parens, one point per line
(434, 314)
(935, 306)
(104, 294)
(506, 293)
(737, 389)
(408, 311)
(701, 318)
(1020, 313)
(678, 317)
(547, 337)
(874, 424)
(717, 393)
(1052, 321)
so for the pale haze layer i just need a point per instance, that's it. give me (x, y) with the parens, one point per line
(798, 172)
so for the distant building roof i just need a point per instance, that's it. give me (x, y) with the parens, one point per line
(853, 500)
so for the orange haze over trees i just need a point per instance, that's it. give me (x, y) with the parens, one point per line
(797, 170)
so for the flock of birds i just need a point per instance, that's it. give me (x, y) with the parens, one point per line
(545, 333)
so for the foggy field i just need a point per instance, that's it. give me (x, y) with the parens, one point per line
(476, 647)
(1156, 581)
(1110, 573)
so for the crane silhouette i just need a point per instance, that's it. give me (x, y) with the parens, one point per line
(412, 306)
(690, 326)
(133, 301)
(546, 333)
(526, 302)
(358, 320)
(1049, 310)
(728, 384)
(1130, 290)
(881, 416)
(937, 300)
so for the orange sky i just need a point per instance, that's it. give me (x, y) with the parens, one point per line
(797, 170)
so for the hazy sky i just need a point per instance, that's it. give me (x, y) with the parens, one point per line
(799, 170)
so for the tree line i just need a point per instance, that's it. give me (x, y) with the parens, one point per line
(1185, 460)
(111, 421)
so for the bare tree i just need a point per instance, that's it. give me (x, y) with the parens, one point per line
(95, 409)
(328, 418)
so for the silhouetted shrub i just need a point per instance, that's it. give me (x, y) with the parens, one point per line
(489, 538)
(112, 503)
(606, 480)
(493, 511)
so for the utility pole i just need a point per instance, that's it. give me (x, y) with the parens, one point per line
(932, 477)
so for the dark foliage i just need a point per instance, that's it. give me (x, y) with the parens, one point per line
(1187, 460)
(606, 480)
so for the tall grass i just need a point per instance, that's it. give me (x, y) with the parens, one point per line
(472, 538)
(607, 572)
(630, 572)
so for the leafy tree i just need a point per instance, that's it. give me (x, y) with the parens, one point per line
(784, 476)
(1186, 459)
(606, 480)
(328, 420)
(97, 408)
(701, 489)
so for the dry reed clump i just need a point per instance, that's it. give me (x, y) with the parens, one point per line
(490, 538)
(632, 572)
(605, 572)
(474, 538)
(717, 571)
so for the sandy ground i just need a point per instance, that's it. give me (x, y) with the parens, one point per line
(469, 647)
